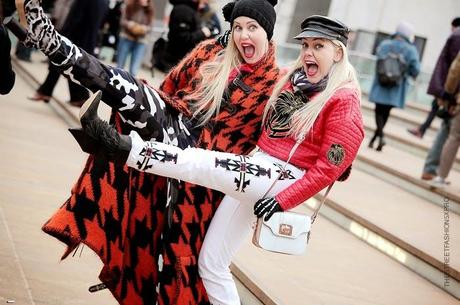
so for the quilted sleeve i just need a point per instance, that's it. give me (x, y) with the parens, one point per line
(342, 138)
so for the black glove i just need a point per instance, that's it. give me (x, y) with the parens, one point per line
(267, 206)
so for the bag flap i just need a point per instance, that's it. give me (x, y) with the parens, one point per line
(288, 224)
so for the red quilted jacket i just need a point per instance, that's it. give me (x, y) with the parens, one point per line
(327, 151)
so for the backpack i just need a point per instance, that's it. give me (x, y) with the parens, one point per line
(391, 69)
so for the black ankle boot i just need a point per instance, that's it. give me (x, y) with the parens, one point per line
(97, 136)
(113, 145)
(87, 144)
(102, 139)
(88, 113)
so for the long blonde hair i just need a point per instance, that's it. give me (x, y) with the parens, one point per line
(342, 74)
(214, 77)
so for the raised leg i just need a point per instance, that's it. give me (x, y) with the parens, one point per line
(245, 178)
(242, 177)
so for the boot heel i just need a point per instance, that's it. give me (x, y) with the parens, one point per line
(87, 144)
(88, 111)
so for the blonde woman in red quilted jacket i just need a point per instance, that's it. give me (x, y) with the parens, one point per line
(317, 104)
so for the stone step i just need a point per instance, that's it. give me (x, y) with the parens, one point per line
(39, 162)
(403, 169)
(339, 268)
(396, 135)
(408, 115)
(416, 224)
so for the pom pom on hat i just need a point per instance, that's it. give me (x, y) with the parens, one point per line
(227, 11)
(260, 10)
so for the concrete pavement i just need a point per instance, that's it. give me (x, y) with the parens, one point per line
(338, 268)
(39, 161)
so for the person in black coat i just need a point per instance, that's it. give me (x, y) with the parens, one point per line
(436, 88)
(438, 77)
(83, 23)
(7, 75)
(185, 32)
(82, 26)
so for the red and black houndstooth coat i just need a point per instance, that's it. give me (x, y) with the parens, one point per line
(150, 255)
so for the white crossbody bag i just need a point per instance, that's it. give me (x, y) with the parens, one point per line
(286, 232)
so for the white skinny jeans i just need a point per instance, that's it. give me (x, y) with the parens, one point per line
(243, 179)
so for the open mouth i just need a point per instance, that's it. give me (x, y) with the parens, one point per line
(248, 50)
(312, 68)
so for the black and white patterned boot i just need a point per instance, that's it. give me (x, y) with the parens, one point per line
(40, 31)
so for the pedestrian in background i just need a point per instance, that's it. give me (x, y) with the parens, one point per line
(452, 104)
(185, 31)
(436, 88)
(436, 82)
(208, 13)
(112, 28)
(397, 59)
(136, 24)
(81, 24)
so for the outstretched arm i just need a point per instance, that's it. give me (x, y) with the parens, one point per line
(137, 103)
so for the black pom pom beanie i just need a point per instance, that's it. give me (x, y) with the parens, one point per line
(262, 11)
